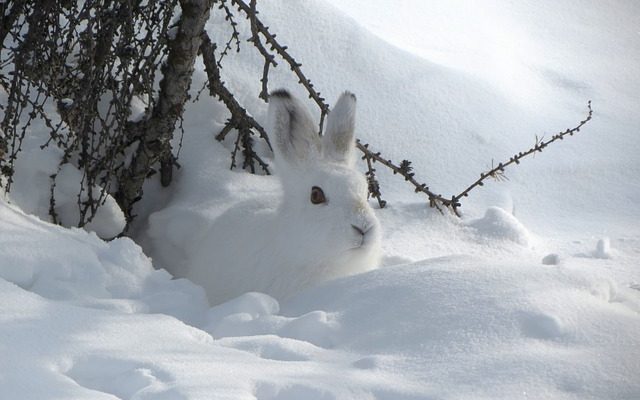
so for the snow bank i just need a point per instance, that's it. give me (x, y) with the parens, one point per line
(88, 319)
(487, 329)
(31, 188)
(72, 266)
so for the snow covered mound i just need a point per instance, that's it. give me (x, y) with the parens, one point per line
(76, 267)
(31, 189)
(473, 328)
(87, 319)
(498, 223)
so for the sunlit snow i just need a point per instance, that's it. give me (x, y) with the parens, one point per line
(533, 293)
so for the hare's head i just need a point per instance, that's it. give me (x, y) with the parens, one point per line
(325, 197)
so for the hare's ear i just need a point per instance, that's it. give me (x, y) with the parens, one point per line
(292, 129)
(338, 142)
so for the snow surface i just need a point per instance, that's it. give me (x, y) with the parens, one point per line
(89, 319)
(535, 293)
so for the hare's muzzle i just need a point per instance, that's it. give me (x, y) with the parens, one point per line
(363, 233)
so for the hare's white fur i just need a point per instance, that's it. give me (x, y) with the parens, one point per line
(280, 248)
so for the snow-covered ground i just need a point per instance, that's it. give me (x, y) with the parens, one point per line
(534, 293)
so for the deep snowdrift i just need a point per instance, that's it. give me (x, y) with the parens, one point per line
(86, 319)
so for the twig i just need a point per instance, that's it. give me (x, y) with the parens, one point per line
(538, 147)
(404, 169)
(372, 182)
(268, 58)
(282, 51)
(235, 35)
(240, 118)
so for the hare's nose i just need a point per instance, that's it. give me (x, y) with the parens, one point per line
(359, 230)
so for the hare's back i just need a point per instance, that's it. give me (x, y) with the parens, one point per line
(226, 261)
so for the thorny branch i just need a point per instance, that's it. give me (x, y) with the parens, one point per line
(94, 59)
(258, 26)
(235, 35)
(240, 119)
(498, 171)
(84, 57)
(404, 168)
(269, 59)
(372, 182)
(453, 203)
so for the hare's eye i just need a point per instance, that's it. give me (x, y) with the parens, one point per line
(317, 195)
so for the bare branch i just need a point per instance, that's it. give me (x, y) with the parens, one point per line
(174, 87)
(77, 54)
(404, 169)
(240, 118)
(372, 181)
(268, 58)
(235, 35)
(270, 38)
(538, 147)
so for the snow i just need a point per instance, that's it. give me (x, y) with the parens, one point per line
(31, 189)
(497, 223)
(603, 248)
(94, 318)
(534, 293)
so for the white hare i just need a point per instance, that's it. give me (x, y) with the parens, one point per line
(323, 227)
